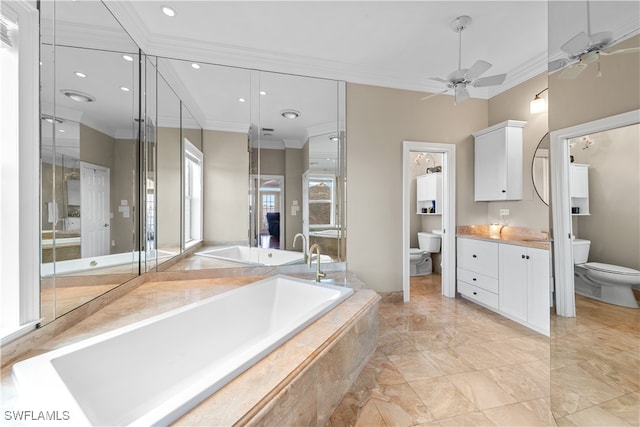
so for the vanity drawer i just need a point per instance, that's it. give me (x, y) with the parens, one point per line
(478, 294)
(480, 280)
(479, 256)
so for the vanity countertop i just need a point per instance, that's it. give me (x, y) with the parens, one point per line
(529, 237)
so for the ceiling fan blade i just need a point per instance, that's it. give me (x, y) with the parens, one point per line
(558, 64)
(433, 94)
(572, 72)
(627, 50)
(578, 44)
(438, 79)
(462, 93)
(477, 69)
(490, 80)
(601, 40)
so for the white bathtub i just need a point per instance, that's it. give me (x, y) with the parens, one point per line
(154, 371)
(79, 265)
(258, 256)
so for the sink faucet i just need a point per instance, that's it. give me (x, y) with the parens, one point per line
(319, 274)
(304, 245)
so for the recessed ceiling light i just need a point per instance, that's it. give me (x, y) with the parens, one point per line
(262, 92)
(79, 74)
(124, 89)
(195, 66)
(333, 138)
(61, 130)
(51, 119)
(168, 11)
(241, 100)
(77, 96)
(290, 114)
(127, 58)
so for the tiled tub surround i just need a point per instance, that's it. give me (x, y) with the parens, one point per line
(323, 360)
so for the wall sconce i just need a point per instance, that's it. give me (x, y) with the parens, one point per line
(538, 105)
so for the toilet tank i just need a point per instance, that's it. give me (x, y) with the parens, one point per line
(429, 242)
(581, 250)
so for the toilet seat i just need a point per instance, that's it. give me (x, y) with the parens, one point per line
(415, 251)
(609, 268)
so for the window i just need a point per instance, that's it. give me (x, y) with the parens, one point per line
(321, 201)
(192, 194)
(19, 186)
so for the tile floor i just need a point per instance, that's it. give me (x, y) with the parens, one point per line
(446, 362)
(595, 365)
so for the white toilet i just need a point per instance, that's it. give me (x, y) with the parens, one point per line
(604, 282)
(420, 259)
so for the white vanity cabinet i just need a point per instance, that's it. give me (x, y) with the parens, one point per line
(510, 279)
(524, 285)
(428, 193)
(498, 162)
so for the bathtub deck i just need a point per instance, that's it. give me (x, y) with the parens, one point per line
(296, 364)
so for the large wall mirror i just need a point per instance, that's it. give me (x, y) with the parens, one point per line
(148, 160)
(89, 90)
(595, 199)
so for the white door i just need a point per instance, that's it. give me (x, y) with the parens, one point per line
(94, 210)
(305, 204)
(513, 281)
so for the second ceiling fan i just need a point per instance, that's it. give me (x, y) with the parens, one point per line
(460, 79)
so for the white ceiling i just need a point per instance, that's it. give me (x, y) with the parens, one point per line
(386, 43)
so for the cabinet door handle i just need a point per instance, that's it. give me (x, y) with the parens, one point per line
(522, 256)
(474, 279)
(527, 256)
(475, 293)
(474, 256)
(504, 191)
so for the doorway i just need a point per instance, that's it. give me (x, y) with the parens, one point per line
(269, 213)
(95, 221)
(561, 206)
(448, 214)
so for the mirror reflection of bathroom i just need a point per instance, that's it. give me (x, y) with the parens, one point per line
(604, 184)
(425, 225)
(540, 169)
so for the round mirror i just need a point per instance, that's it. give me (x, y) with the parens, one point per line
(540, 169)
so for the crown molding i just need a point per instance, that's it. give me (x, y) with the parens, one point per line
(520, 74)
(129, 19)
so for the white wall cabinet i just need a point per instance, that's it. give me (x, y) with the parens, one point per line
(429, 193)
(579, 188)
(509, 279)
(498, 162)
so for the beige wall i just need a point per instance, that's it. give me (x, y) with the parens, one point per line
(123, 178)
(168, 188)
(513, 104)
(293, 192)
(378, 120)
(589, 97)
(614, 197)
(226, 187)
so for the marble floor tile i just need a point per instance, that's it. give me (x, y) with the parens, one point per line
(447, 361)
(472, 419)
(523, 381)
(369, 417)
(413, 366)
(480, 357)
(514, 415)
(380, 371)
(595, 416)
(482, 391)
(442, 398)
(400, 406)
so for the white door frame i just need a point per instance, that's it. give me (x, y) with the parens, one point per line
(255, 184)
(560, 204)
(448, 152)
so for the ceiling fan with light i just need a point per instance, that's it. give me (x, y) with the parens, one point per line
(583, 49)
(460, 79)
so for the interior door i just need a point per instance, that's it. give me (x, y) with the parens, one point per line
(94, 211)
